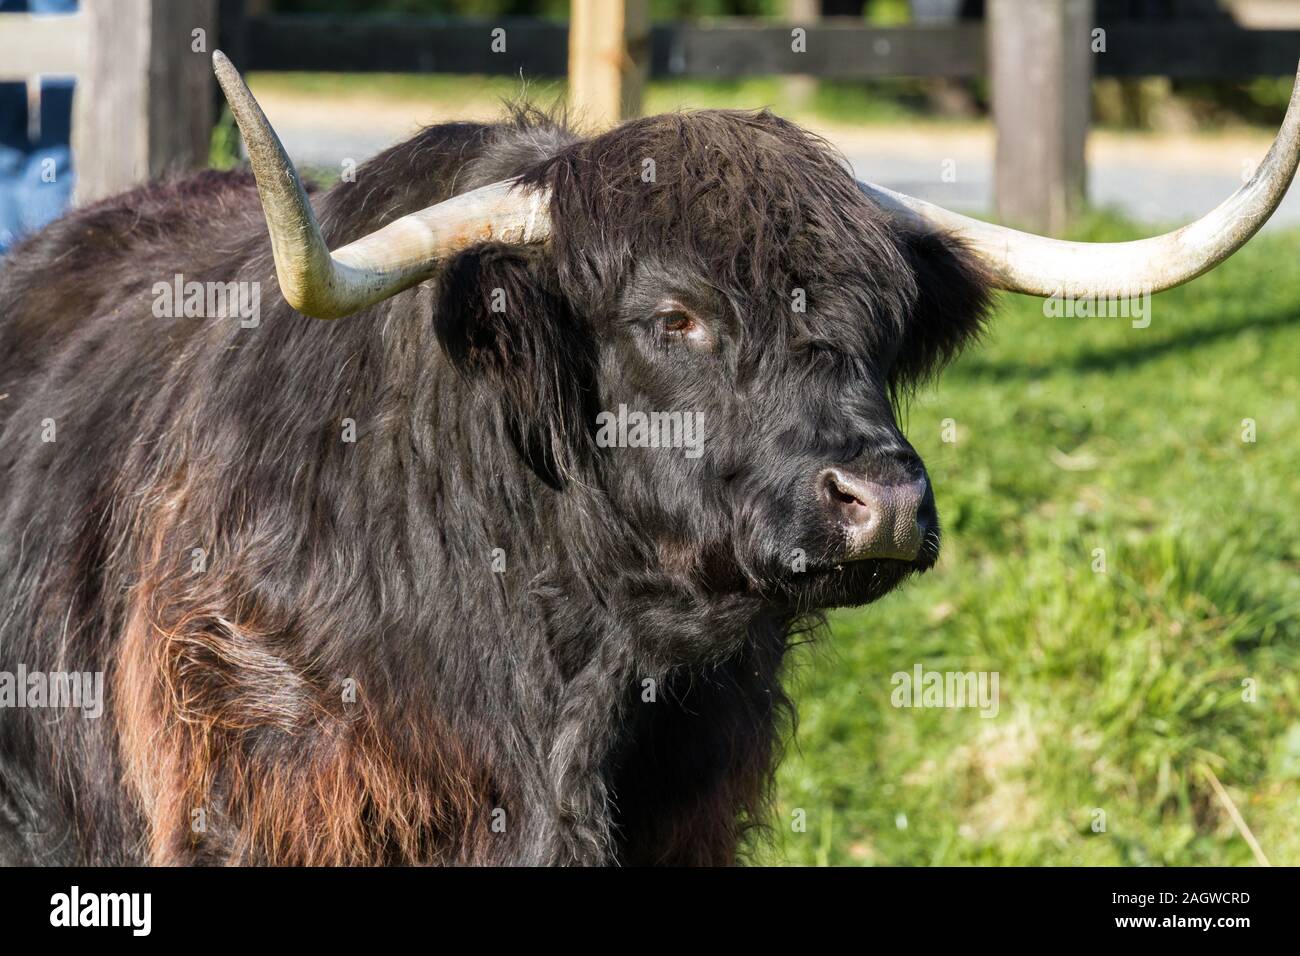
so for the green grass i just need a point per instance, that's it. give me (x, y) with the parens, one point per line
(400, 87)
(868, 102)
(1118, 689)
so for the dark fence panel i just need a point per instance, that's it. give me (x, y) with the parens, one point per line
(397, 44)
(842, 49)
(1192, 50)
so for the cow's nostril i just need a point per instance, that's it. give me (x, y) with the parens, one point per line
(837, 493)
(878, 520)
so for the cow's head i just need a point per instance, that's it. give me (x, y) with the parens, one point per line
(721, 281)
(715, 335)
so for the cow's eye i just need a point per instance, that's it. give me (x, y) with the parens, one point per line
(676, 323)
(673, 325)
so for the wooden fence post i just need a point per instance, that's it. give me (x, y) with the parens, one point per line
(609, 58)
(800, 88)
(143, 104)
(1040, 67)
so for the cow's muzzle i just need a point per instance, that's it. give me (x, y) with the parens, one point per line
(879, 520)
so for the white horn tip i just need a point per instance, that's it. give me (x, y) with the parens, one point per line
(228, 77)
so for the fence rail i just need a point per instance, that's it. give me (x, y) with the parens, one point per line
(845, 49)
(146, 100)
(31, 45)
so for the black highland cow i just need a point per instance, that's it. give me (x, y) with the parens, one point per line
(430, 644)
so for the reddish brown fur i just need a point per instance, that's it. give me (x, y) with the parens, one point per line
(285, 771)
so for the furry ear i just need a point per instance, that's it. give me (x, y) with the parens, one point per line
(954, 296)
(504, 324)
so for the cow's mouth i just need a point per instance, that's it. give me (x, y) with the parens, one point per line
(851, 583)
(846, 582)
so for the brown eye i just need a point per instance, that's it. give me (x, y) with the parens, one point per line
(677, 323)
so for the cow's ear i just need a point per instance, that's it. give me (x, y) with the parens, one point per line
(954, 296)
(505, 325)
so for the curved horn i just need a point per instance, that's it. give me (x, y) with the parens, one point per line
(1036, 265)
(329, 285)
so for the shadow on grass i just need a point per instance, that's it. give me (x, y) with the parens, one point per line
(1127, 356)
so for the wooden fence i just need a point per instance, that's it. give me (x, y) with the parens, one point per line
(146, 101)
(840, 49)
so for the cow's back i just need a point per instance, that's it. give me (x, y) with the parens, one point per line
(84, 359)
(80, 349)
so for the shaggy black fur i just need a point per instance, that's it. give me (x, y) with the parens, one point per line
(499, 715)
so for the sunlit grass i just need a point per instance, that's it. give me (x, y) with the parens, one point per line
(867, 102)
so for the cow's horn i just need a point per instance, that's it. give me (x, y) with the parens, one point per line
(329, 285)
(1036, 265)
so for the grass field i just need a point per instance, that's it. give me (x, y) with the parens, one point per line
(1121, 690)
(882, 101)
(827, 104)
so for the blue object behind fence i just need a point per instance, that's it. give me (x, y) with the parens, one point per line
(36, 174)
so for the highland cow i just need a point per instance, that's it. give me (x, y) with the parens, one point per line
(370, 590)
